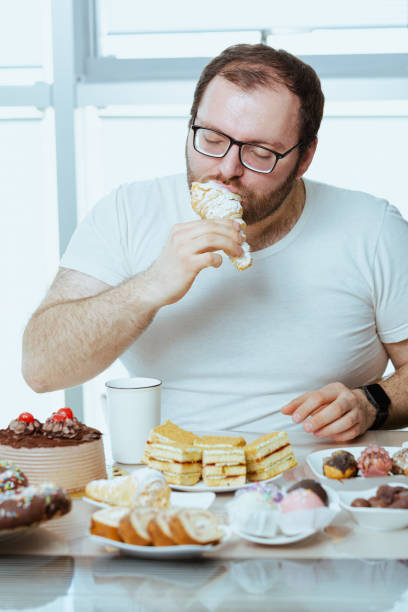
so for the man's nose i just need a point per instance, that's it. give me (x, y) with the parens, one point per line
(230, 165)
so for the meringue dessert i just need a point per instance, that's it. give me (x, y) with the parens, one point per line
(374, 461)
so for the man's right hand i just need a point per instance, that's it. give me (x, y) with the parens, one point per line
(190, 248)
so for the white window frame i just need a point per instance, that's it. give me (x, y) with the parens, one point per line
(82, 77)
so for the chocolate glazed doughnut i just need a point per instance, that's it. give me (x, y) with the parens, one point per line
(30, 505)
(11, 477)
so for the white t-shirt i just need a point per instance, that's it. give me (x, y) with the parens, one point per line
(314, 308)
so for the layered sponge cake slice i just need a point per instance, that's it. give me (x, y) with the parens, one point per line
(219, 442)
(170, 432)
(224, 467)
(179, 463)
(269, 456)
(223, 460)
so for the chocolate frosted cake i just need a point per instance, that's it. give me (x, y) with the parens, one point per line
(62, 450)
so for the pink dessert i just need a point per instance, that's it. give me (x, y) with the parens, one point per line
(300, 499)
(374, 461)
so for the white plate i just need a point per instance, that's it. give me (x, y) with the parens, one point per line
(380, 519)
(197, 499)
(315, 462)
(288, 523)
(278, 540)
(164, 552)
(200, 486)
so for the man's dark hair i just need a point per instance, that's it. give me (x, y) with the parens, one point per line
(252, 66)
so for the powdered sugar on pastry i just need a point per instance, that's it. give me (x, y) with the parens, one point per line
(212, 200)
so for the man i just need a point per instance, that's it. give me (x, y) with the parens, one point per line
(317, 315)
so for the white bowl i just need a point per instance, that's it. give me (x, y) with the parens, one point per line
(380, 519)
(315, 462)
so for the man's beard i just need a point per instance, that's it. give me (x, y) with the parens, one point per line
(255, 207)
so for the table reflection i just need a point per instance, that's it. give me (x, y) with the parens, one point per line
(34, 581)
(247, 584)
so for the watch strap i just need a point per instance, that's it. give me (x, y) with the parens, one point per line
(380, 400)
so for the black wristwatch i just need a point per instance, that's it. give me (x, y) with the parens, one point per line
(380, 400)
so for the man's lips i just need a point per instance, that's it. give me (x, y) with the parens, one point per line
(229, 187)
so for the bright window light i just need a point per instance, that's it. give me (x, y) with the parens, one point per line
(198, 44)
(345, 41)
(25, 42)
(161, 15)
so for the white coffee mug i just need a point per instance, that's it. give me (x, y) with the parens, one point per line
(133, 410)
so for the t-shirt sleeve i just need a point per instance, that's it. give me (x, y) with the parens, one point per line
(391, 277)
(98, 246)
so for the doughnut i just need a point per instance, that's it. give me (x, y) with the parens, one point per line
(31, 505)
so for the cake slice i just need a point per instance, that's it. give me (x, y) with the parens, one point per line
(269, 455)
(224, 466)
(133, 526)
(170, 432)
(159, 528)
(195, 526)
(180, 463)
(219, 441)
(105, 522)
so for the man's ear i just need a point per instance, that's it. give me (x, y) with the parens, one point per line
(307, 158)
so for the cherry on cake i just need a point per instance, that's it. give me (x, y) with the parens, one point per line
(62, 450)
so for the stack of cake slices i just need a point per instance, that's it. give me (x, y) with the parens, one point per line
(171, 450)
(269, 456)
(224, 463)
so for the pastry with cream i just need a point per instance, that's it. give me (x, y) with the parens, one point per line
(212, 200)
(400, 461)
(374, 461)
(340, 464)
(145, 487)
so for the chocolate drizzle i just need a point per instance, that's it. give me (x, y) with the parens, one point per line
(341, 460)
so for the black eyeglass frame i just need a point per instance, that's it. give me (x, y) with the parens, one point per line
(240, 145)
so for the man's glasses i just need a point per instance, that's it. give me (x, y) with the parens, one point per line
(254, 157)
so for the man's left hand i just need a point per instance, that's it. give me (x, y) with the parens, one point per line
(334, 412)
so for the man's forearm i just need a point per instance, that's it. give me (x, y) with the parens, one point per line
(396, 387)
(68, 343)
